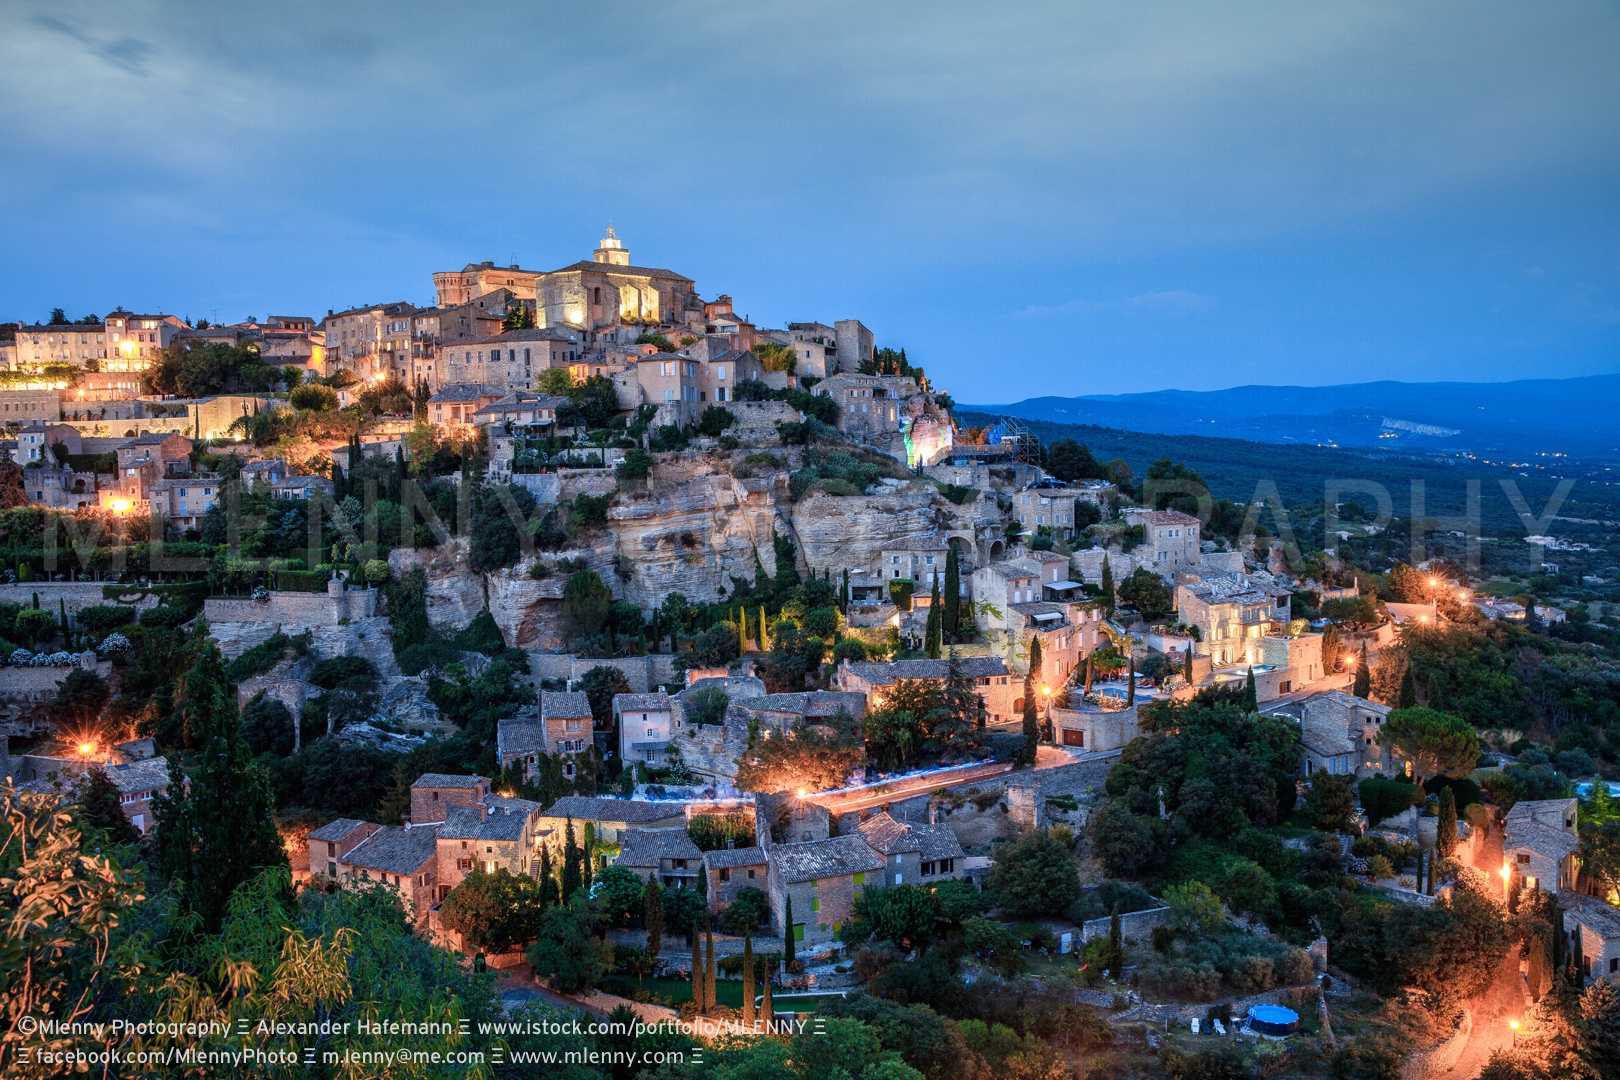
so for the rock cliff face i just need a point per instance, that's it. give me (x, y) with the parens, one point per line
(692, 531)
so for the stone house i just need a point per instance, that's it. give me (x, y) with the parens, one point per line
(868, 404)
(183, 500)
(34, 442)
(563, 727)
(1093, 728)
(781, 712)
(914, 854)
(1231, 611)
(146, 459)
(612, 818)
(1171, 539)
(919, 559)
(1539, 844)
(434, 794)
(78, 345)
(1049, 504)
(138, 783)
(374, 340)
(404, 858)
(500, 834)
(509, 361)
(535, 414)
(1594, 929)
(1339, 734)
(874, 680)
(646, 723)
(731, 870)
(667, 855)
(134, 340)
(823, 878)
(332, 842)
(457, 403)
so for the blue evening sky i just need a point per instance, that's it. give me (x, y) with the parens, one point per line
(1032, 198)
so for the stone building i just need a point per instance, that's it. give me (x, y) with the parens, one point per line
(509, 360)
(1593, 925)
(498, 834)
(914, 854)
(369, 341)
(403, 858)
(562, 726)
(869, 405)
(666, 855)
(612, 818)
(1339, 734)
(731, 870)
(332, 842)
(919, 559)
(1539, 844)
(1231, 611)
(1171, 540)
(456, 404)
(646, 724)
(433, 795)
(823, 878)
(83, 345)
(133, 341)
(994, 684)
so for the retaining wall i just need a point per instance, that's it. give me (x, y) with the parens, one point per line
(645, 673)
(295, 608)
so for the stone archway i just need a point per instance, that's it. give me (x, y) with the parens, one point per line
(998, 549)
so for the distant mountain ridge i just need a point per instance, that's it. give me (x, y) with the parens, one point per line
(1579, 417)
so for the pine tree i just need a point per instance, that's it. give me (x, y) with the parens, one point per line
(217, 825)
(1445, 841)
(953, 594)
(1362, 686)
(99, 807)
(652, 916)
(573, 867)
(1251, 697)
(787, 933)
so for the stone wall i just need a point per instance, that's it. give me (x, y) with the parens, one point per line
(646, 673)
(1137, 926)
(1099, 730)
(1439, 1060)
(295, 608)
(74, 594)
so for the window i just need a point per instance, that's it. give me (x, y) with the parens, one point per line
(725, 873)
(750, 871)
(859, 877)
(815, 903)
(720, 372)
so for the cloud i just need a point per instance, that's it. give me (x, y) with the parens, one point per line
(128, 53)
(1168, 302)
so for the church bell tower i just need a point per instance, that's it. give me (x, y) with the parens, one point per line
(611, 251)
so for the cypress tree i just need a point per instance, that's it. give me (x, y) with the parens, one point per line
(1107, 588)
(953, 594)
(1251, 697)
(99, 808)
(1130, 680)
(1032, 724)
(932, 635)
(698, 981)
(1088, 673)
(764, 634)
(573, 868)
(787, 933)
(843, 595)
(652, 916)
(748, 981)
(588, 854)
(1187, 665)
(216, 826)
(709, 996)
(1445, 840)
(67, 635)
(548, 879)
(742, 628)
(1116, 943)
(767, 1010)
(1408, 691)
(1362, 686)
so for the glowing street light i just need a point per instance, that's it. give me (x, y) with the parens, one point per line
(86, 749)
(120, 506)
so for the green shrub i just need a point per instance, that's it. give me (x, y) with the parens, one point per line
(311, 581)
(1382, 798)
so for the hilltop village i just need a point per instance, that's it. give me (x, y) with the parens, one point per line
(668, 662)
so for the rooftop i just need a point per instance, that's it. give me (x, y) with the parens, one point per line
(971, 667)
(1159, 517)
(147, 774)
(1597, 915)
(926, 542)
(515, 735)
(336, 830)
(461, 392)
(1541, 838)
(447, 780)
(558, 705)
(825, 858)
(395, 849)
(730, 858)
(659, 702)
(646, 847)
(626, 810)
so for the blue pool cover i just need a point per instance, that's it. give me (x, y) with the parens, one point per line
(1273, 1020)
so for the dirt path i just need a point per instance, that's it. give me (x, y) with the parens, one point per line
(1503, 1000)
